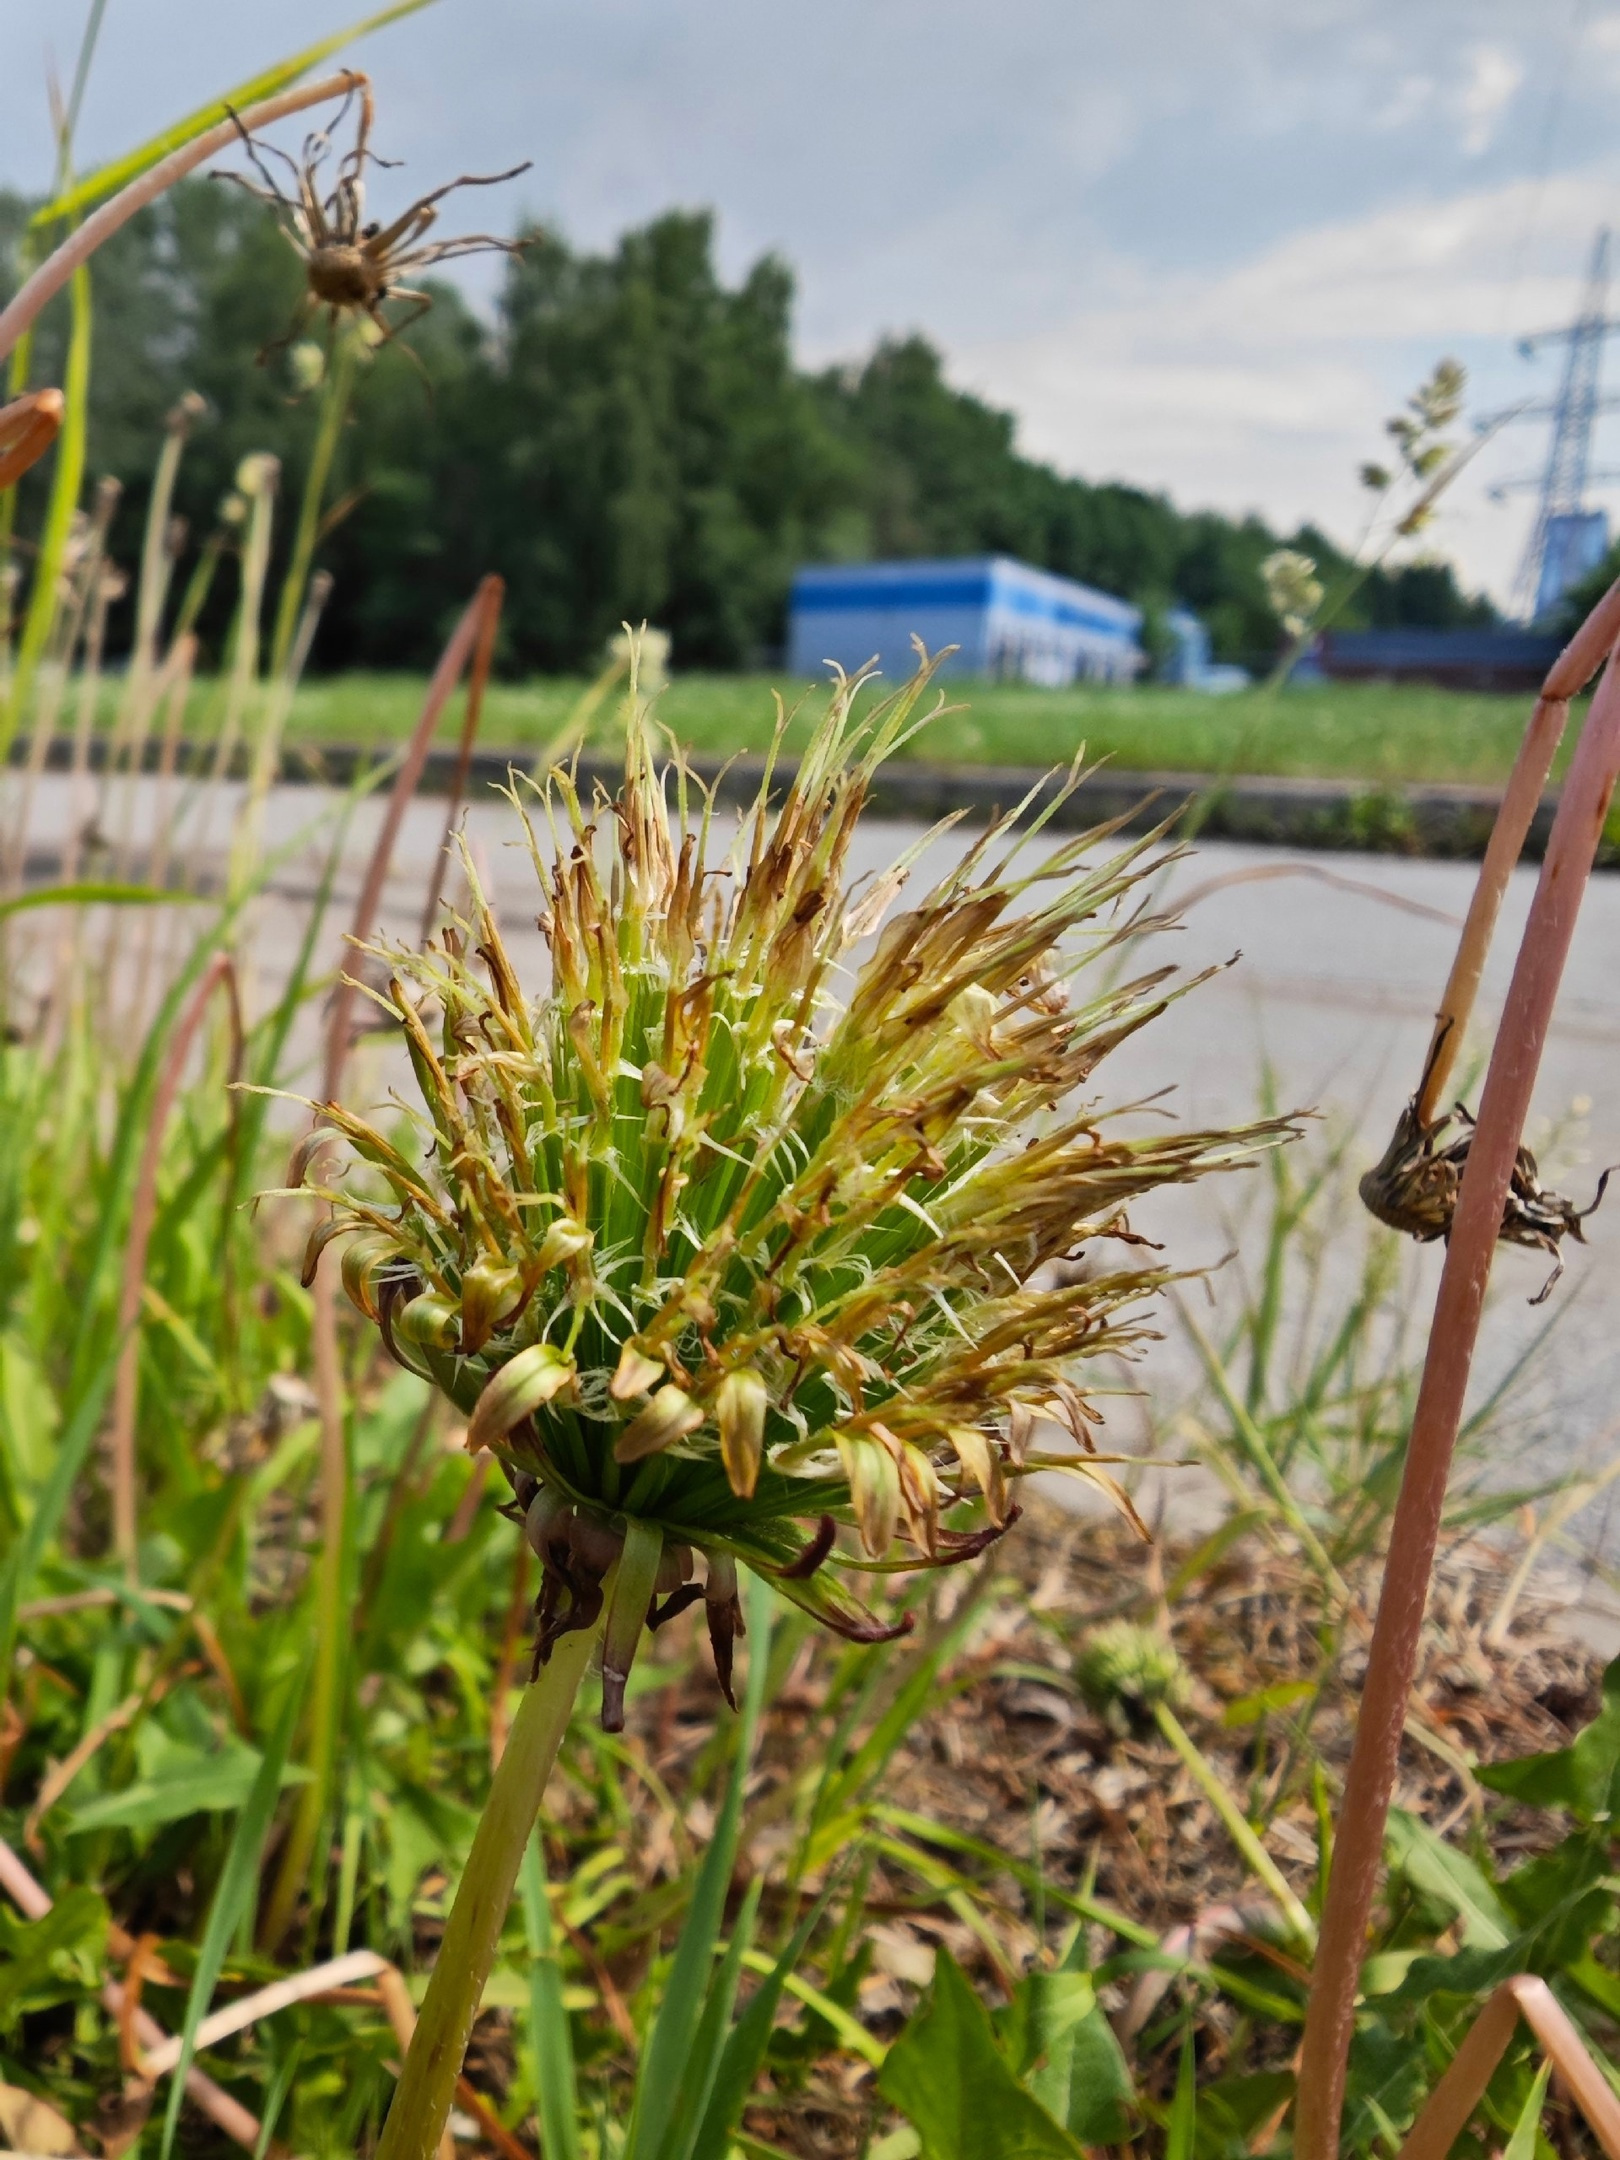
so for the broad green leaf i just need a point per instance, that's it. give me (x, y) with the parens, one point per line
(108, 179)
(1522, 2144)
(190, 1784)
(953, 2084)
(232, 1899)
(1584, 1777)
(1063, 2047)
(1450, 1878)
(1100, 2090)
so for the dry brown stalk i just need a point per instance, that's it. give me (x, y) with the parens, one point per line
(1446, 2111)
(54, 272)
(220, 971)
(1454, 1331)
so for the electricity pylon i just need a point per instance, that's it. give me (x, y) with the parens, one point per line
(1568, 538)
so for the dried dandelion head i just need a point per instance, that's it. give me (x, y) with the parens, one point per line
(732, 1249)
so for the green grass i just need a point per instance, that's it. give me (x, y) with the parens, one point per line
(1337, 731)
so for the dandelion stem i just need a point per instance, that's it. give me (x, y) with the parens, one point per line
(427, 2084)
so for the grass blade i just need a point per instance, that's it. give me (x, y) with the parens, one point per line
(1183, 2122)
(50, 1508)
(557, 2094)
(744, 2050)
(108, 179)
(231, 1900)
(669, 2046)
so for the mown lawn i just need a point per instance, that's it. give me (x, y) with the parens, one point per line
(1350, 731)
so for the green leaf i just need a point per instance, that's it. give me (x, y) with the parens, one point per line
(708, 2045)
(1522, 2144)
(232, 1899)
(54, 1958)
(1064, 2049)
(108, 179)
(1450, 1878)
(949, 2079)
(190, 1783)
(557, 2098)
(1584, 1777)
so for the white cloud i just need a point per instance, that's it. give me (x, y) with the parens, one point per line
(1264, 387)
(1488, 88)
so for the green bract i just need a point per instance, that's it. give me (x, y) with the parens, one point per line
(726, 1240)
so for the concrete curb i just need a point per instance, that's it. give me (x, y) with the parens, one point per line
(1444, 822)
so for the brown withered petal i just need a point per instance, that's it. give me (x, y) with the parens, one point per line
(634, 1374)
(874, 1490)
(739, 1410)
(668, 1417)
(976, 1452)
(490, 1293)
(363, 1260)
(534, 1377)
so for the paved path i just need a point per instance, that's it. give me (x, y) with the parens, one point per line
(1341, 961)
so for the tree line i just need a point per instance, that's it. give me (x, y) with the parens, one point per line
(629, 439)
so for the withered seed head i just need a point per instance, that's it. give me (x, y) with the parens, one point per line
(711, 1250)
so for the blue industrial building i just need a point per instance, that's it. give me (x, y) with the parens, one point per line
(1009, 622)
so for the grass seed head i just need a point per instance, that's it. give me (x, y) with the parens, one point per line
(731, 1236)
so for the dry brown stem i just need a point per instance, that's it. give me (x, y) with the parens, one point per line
(1446, 2111)
(1453, 1334)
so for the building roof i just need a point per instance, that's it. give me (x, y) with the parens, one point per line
(972, 581)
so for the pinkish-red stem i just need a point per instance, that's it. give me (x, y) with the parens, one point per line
(1504, 1107)
(143, 1213)
(1566, 678)
(54, 272)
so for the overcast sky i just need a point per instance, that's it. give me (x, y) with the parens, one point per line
(1202, 247)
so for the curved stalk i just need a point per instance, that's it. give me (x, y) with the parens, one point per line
(427, 2084)
(1566, 678)
(54, 272)
(1453, 1333)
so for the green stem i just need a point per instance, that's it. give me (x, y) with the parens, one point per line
(335, 396)
(1239, 1828)
(433, 2062)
